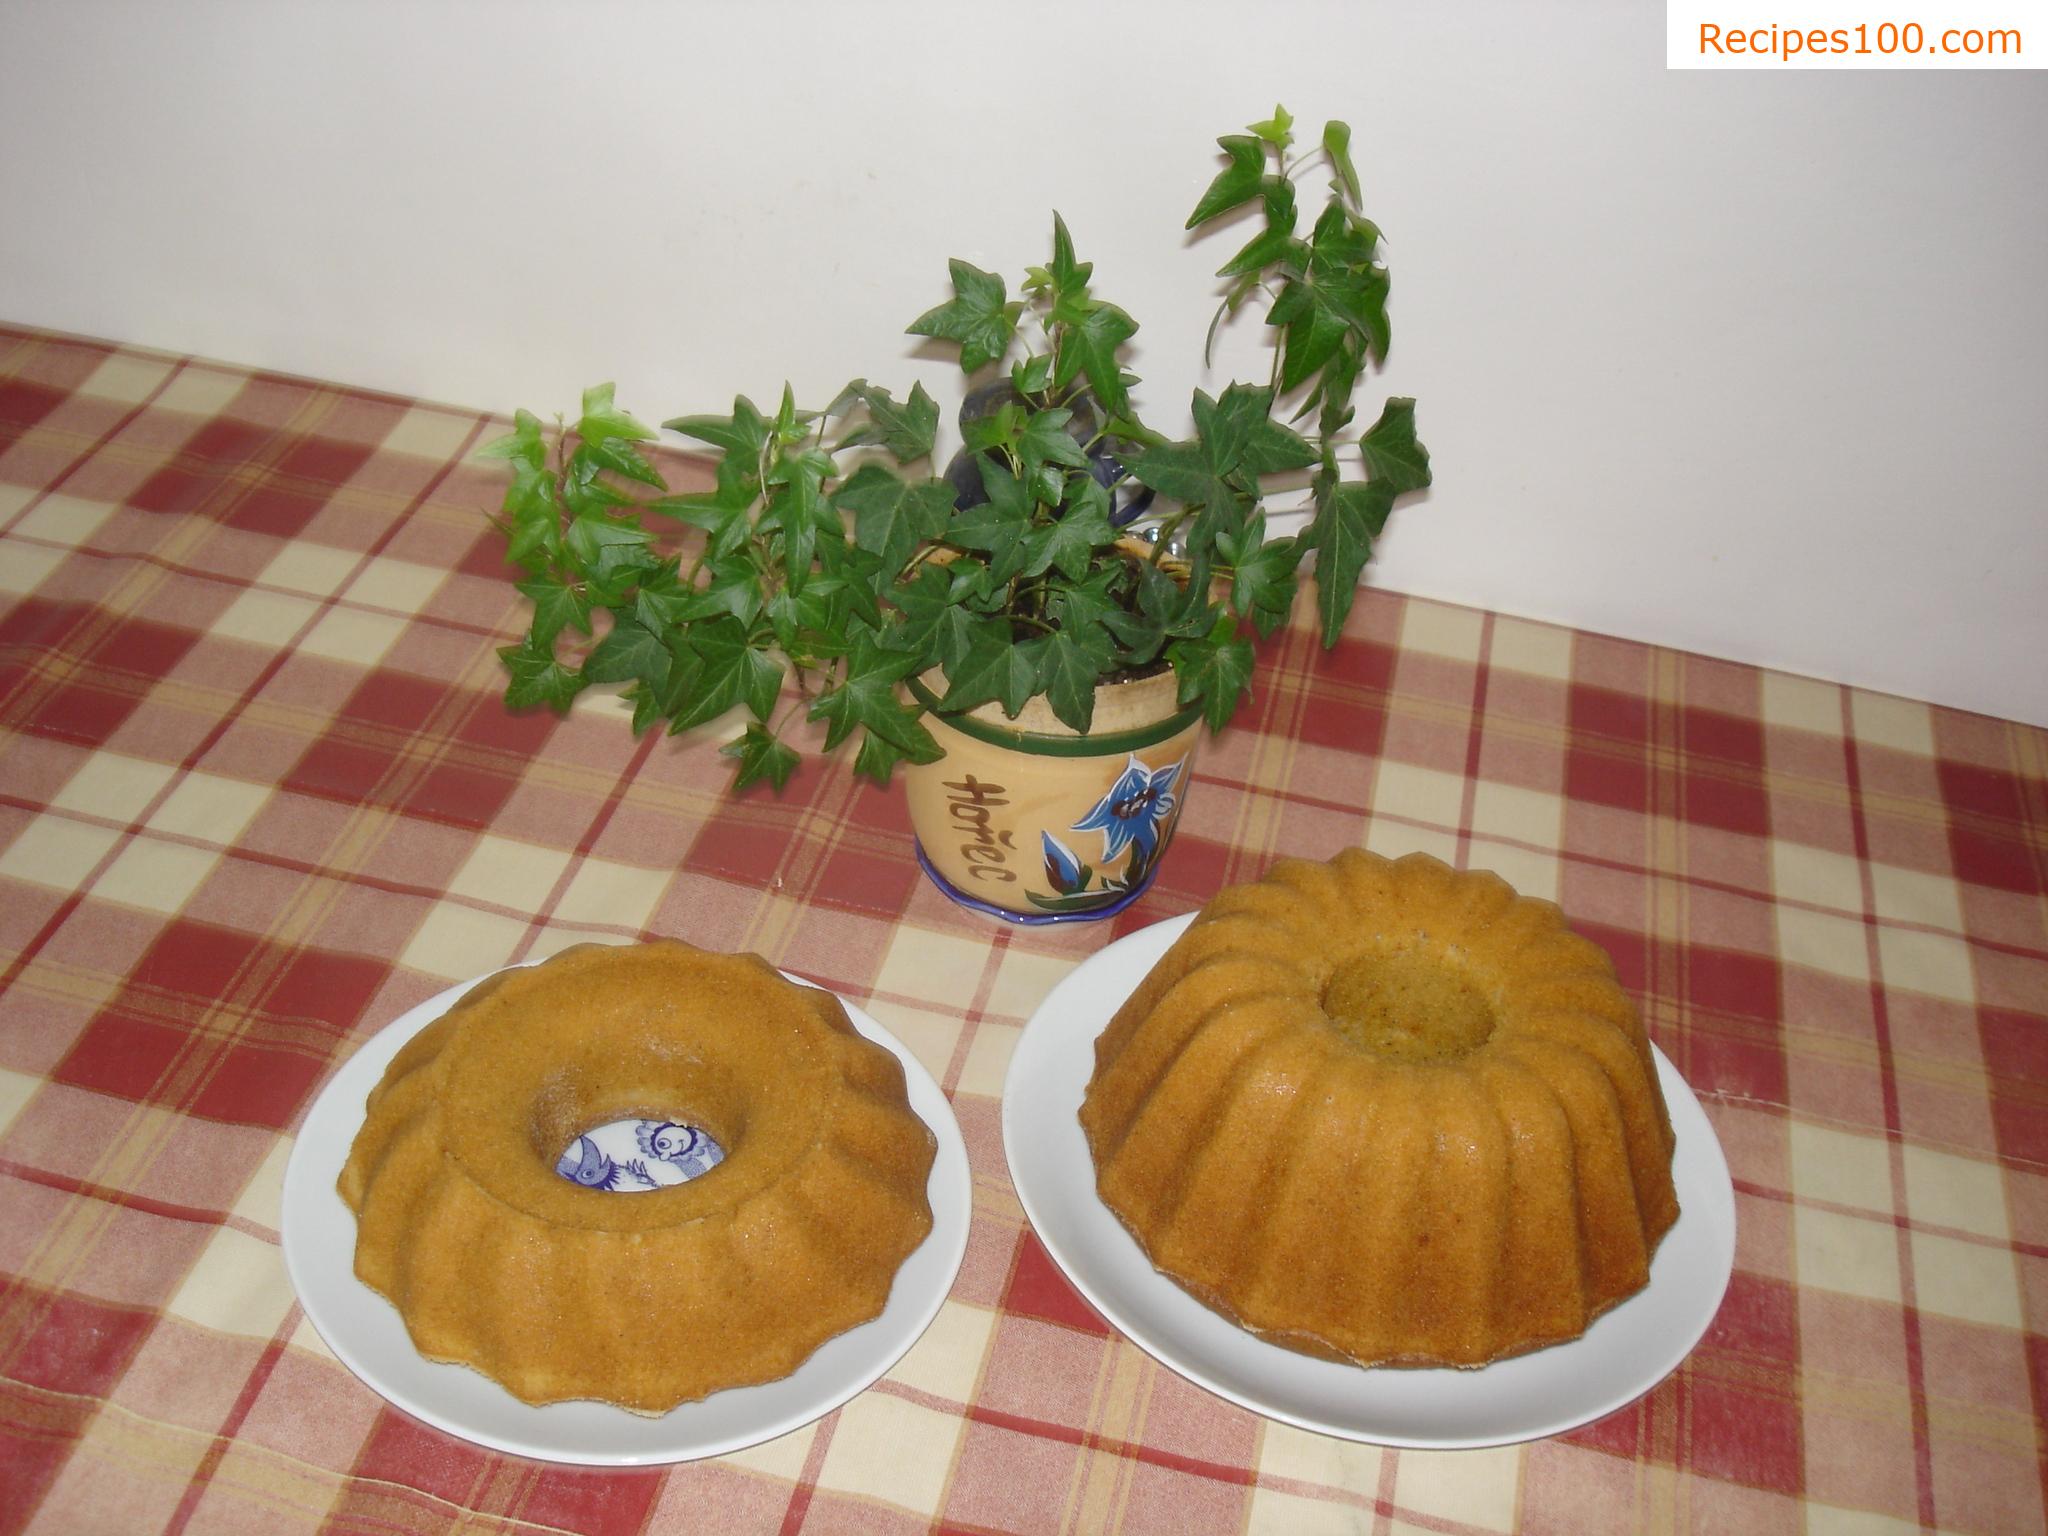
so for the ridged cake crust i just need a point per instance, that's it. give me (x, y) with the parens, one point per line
(1388, 1112)
(646, 1300)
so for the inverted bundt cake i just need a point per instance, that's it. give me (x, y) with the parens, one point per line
(563, 1292)
(1387, 1112)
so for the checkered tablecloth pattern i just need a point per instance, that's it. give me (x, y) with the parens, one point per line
(258, 795)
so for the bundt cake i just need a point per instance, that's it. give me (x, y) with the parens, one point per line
(1386, 1112)
(562, 1292)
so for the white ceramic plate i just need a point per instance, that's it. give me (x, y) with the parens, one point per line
(1624, 1354)
(365, 1331)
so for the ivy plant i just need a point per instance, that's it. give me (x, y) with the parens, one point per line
(831, 561)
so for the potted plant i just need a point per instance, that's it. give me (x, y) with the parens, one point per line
(1076, 586)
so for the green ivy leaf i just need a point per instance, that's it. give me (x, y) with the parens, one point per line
(1262, 446)
(724, 515)
(648, 707)
(866, 698)
(1313, 328)
(1068, 670)
(1138, 636)
(879, 754)
(1359, 299)
(602, 421)
(907, 430)
(805, 471)
(1277, 193)
(742, 435)
(1337, 146)
(1335, 388)
(797, 482)
(793, 615)
(1088, 604)
(1216, 669)
(1266, 248)
(790, 425)
(1217, 472)
(556, 605)
(1044, 441)
(658, 595)
(1184, 471)
(620, 456)
(891, 518)
(1343, 241)
(734, 591)
(629, 653)
(1070, 540)
(999, 525)
(537, 678)
(863, 579)
(934, 625)
(584, 490)
(994, 667)
(977, 317)
(523, 444)
(1066, 278)
(1392, 456)
(1090, 346)
(731, 671)
(603, 546)
(761, 756)
(952, 634)
(1032, 375)
(535, 538)
(998, 431)
(1277, 130)
(533, 492)
(1239, 181)
(1263, 581)
(1181, 605)
(1348, 518)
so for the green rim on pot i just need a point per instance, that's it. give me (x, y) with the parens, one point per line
(1040, 745)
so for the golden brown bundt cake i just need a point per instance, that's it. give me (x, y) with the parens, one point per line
(559, 1291)
(1387, 1112)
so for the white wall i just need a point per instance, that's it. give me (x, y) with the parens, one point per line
(1750, 363)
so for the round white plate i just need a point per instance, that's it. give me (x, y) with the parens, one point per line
(365, 1331)
(1624, 1354)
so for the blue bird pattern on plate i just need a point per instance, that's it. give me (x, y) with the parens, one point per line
(633, 1156)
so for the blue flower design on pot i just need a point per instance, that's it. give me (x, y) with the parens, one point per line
(1063, 872)
(1131, 814)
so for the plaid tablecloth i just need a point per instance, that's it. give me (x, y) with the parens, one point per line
(258, 795)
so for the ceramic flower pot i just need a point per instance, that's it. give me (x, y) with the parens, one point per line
(1027, 820)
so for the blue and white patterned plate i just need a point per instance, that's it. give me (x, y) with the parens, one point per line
(367, 1335)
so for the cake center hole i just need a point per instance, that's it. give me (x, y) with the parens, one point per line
(635, 1155)
(1408, 1007)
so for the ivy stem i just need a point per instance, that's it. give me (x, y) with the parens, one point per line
(1033, 592)
(1167, 530)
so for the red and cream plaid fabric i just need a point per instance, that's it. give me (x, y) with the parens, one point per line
(258, 795)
